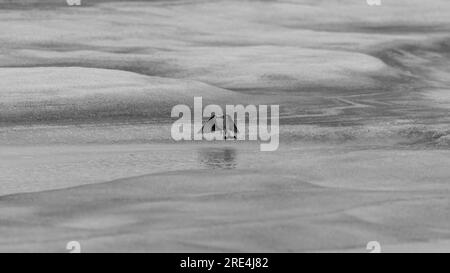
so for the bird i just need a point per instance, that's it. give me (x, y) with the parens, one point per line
(222, 123)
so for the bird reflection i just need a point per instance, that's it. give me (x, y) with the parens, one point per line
(218, 158)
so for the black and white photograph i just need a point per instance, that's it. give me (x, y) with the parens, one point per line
(225, 126)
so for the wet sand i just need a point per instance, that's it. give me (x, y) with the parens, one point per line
(312, 199)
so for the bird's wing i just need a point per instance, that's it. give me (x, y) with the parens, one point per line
(230, 125)
(208, 126)
(219, 123)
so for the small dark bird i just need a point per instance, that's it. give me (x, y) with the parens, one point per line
(222, 123)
